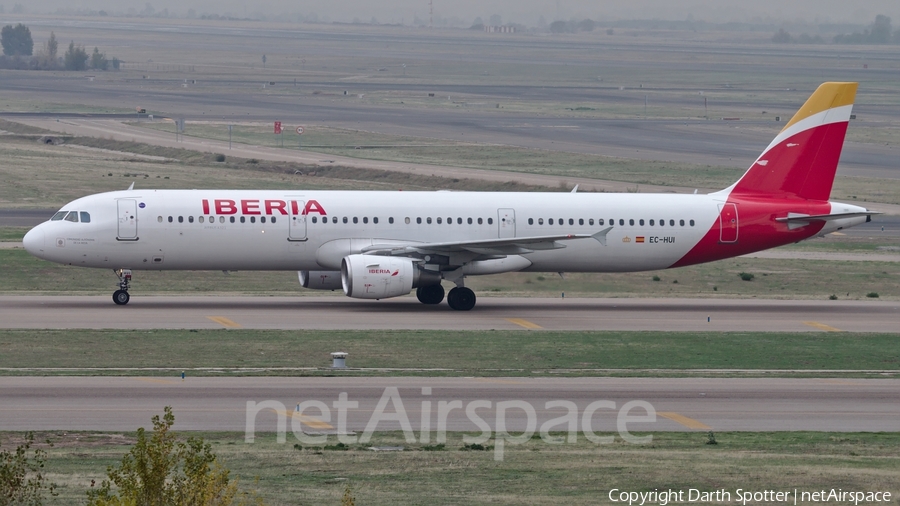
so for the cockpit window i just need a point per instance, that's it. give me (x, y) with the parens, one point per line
(59, 216)
(85, 217)
(72, 216)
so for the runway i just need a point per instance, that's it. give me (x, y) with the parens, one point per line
(502, 313)
(221, 404)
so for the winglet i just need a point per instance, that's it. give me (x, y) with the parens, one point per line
(575, 190)
(131, 187)
(601, 235)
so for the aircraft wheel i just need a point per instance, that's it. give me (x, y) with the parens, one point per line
(432, 294)
(461, 299)
(121, 297)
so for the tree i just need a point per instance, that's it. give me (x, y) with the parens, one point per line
(558, 27)
(881, 31)
(52, 46)
(781, 37)
(159, 470)
(98, 60)
(75, 58)
(16, 40)
(22, 478)
(586, 25)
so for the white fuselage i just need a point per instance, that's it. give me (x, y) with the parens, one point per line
(314, 230)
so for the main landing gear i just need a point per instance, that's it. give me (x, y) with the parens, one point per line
(460, 298)
(120, 296)
(431, 294)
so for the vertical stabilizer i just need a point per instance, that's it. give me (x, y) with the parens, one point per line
(802, 160)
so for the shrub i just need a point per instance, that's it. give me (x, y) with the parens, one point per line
(746, 276)
(832, 297)
(872, 295)
(220, 157)
(655, 278)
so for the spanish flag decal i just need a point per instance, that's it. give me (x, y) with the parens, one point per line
(639, 238)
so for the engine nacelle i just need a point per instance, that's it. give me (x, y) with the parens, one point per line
(377, 277)
(320, 280)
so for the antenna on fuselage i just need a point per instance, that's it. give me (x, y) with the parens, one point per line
(131, 187)
(575, 190)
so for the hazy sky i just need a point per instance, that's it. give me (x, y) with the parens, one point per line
(517, 11)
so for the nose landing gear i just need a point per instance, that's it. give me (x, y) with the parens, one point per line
(120, 296)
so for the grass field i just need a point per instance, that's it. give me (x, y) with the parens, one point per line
(533, 473)
(457, 353)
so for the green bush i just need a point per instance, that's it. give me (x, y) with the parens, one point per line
(746, 276)
(873, 295)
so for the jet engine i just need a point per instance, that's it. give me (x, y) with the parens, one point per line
(379, 277)
(320, 280)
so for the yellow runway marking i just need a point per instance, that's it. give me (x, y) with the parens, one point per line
(158, 380)
(500, 381)
(837, 233)
(310, 421)
(523, 323)
(225, 322)
(690, 423)
(822, 326)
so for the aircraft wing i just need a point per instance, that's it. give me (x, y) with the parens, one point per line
(505, 246)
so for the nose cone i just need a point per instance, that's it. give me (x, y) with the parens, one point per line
(34, 242)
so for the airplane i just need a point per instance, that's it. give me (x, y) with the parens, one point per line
(380, 244)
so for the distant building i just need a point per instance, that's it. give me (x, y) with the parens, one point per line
(499, 29)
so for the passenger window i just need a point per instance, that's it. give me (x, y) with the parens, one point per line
(231, 219)
(315, 220)
(406, 220)
(253, 219)
(531, 221)
(581, 221)
(243, 219)
(479, 221)
(571, 221)
(333, 219)
(428, 220)
(459, 221)
(170, 219)
(692, 223)
(190, 219)
(391, 220)
(262, 219)
(439, 220)
(58, 216)
(651, 223)
(591, 221)
(550, 221)
(345, 219)
(375, 220)
(181, 219)
(561, 221)
(200, 219)
(621, 222)
(470, 221)
(222, 219)
(418, 221)
(490, 221)
(641, 223)
(72, 216)
(86, 217)
(355, 219)
(159, 219)
(365, 219)
(599, 222)
(540, 221)
(681, 222)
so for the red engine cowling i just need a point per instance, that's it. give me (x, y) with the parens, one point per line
(377, 277)
(320, 280)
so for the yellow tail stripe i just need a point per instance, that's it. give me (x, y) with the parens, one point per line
(827, 96)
